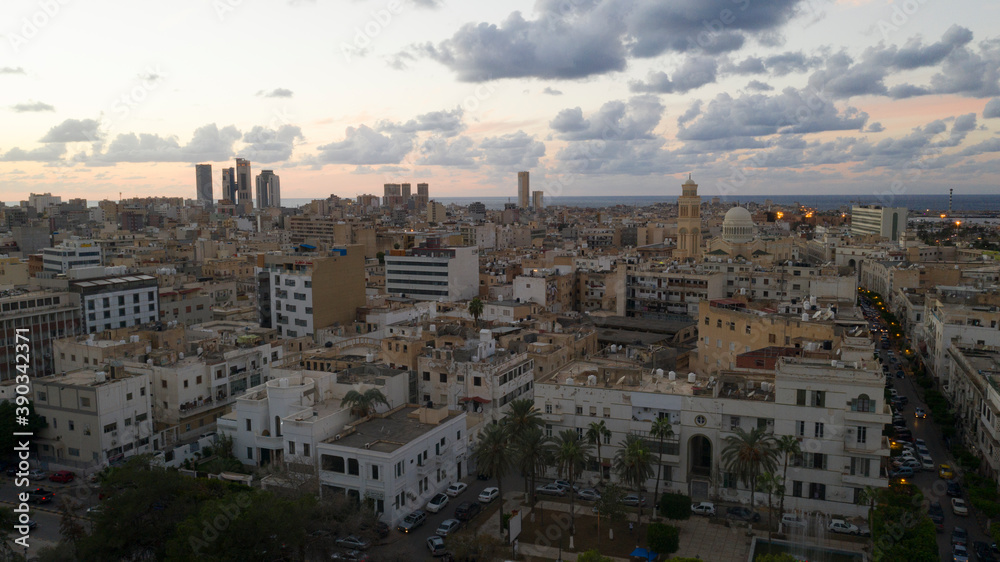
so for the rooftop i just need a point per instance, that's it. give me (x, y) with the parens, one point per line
(84, 377)
(386, 434)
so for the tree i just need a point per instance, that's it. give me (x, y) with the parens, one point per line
(70, 528)
(747, 454)
(380, 256)
(534, 452)
(596, 432)
(634, 465)
(788, 447)
(592, 556)
(493, 456)
(870, 495)
(771, 485)
(364, 404)
(663, 539)
(476, 309)
(62, 551)
(780, 557)
(675, 506)
(520, 418)
(609, 506)
(661, 430)
(572, 455)
(466, 546)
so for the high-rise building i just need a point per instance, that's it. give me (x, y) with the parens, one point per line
(887, 222)
(421, 197)
(404, 191)
(537, 201)
(688, 221)
(268, 190)
(422, 189)
(523, 194)
(229, 184)
(431, 272)
(392, 195)
(203, 181)
(243, 195)
(436, 212)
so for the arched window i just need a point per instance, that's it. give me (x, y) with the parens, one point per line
(863, 404)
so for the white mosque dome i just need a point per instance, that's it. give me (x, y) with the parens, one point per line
(737, 227)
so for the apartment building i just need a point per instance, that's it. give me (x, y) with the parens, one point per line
(71, 253)
(433, 272)
(117, 301)
(972, 383)
(47, 315)
(667, 294)
(887, 222)
(551, 288)
(954, 316)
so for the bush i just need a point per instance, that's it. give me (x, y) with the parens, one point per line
(592, 556)
(675, 506)
(663, 539)
(965, 458)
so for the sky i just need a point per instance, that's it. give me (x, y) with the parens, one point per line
(593, 97)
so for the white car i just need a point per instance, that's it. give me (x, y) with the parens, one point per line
(958, 506)
(456, 489)
(437, 503)
(488, 495)
(927, 461)
(841, 526)
(447, 527)
(792, 521)
(704, 508)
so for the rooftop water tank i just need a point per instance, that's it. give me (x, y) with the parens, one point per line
(592, 380)
(692, 378)
(659, 373)
(672, 375)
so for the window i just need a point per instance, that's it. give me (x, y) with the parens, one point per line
(771, 338)
(249, 425)
(863, 404)
(706, 320)
(305, 449)
(734, 422)
(607, 412)
(113, 426)
(291, 447)
(72, 426)
(443, 377)
(607, 438)
(250, 453)
(375, 470)
(800, 397)
(41, 396)
(819, 398)
(818, 430)
(718, 323)
(163, 383)
(797, 488)
(862, 434)
(548, 408)
(185, 383)
(477, 381)
(427, 376)
(800, 428)
(352, 467)
(548, 430)
(84, 402)
(579, 410)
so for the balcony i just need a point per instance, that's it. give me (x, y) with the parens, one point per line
(200, 406)
(269, 442)
(875, 446)
(861, 481)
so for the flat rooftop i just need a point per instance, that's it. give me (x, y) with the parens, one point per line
(387, 434)
(83, 377)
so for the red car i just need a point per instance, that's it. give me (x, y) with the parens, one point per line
(62, 476)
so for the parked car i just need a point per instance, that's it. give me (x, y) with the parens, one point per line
(550, 490)
(437, 503)
(958, 507)
(902, 472)
(945, 472)
(95, 510)
(63, 476)
(436, 545)
(742, 514)
(565, 485)
(412, 521)
(959, 536)
(354, 542)
(39, 495)
(954, 489)
(456, 489)
(588, 495)
(985, 552)
(843, 527)
(36, 474)
(350, 556)
(959, 553)
(467, 510)
(488, 495)
(938, 521)
(927, 463)
(704, 508)
(934, 508)
(793, 521)
(919, 412)
(447, 527)
(633, 500)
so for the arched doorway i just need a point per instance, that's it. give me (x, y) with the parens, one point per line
(852, 263)
(700, 456)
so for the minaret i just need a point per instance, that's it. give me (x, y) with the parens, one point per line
(688, 221)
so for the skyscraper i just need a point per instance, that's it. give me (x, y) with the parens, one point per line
(243, 182)
(688, 221)
(268, 190)
(523, 193)
(537, 200)
(422, 189)
(203, 182)
(405, 191)
(229, 184)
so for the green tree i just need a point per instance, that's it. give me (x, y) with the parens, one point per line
(364, 404)
(780, 557)
(870, 495)
(62, 551)
(592, 556)
(661, 430)
(662, 538)
(70, 529)
(772, 485)
(634, 465)
(747, 454)
(597, 432)
(476, 309)
(493, 455)
(467, 546)
(572, 454)
(380, 256)
(534, 453)
(675, 506)
(788, 447)
(521, 417)
(609, 506)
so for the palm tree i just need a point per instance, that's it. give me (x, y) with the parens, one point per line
(476, 309)
(772, 485)
(660, 429)
(749, 454)
(596, 432)
(572, 454)
(634, 465)
(534, 452)
(870, 495)
(364, 404)
(519, 419)
(493, 455)
(788, 446)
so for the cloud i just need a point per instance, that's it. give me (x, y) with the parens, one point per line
(552, 92)
(72, 130)
(267, 145)
(515, 150)
(776, 65)
(276, 93)
(694, 73)
(437, 151)
(208, 144)
(447, 123)
(429, 3)
(12, 70)
(875, 127)
(32, 106)
(992, 109)
(364, 146)
(615, 120)
(758, 86)
(52, 152)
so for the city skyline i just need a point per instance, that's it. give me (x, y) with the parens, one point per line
(843, 97)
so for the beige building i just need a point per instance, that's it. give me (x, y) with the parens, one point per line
(688, 221)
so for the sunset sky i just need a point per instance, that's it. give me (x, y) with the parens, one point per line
(594, 97)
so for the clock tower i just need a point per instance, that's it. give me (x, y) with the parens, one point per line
(688, 222)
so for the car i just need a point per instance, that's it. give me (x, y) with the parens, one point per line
(945, 472)
(437, 503)
(565, 485)
(919, 412)
(36, 474)
(455, 489)
(588, 495)
(843, 527)
(633, 500)
(938, 521)
(412, 521)
(959, 536)
(488, 495)
(447, 527)
(927, 462)
(923, 450)
(902, 472)
(39, 495)
(436, 545)
(95, 510)
(467, 510)
(63, 476)
(985, 552)
(958, 506)
(959, 553)
(703, 508)
(934, 508)
(382, 529)
(920, 443)
(900, 374)
(482, 476)
(912, 463)
(793, 521)
(742, 514)
(954, 489)
(354, 542)
(350, 556)
(32, 523)
(550, 490)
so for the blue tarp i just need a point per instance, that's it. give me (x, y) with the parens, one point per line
(643, 553)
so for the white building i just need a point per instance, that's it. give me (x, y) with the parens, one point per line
(70, 254)
(887, 222)
(973, 380)
(117, 302)
(434, 273)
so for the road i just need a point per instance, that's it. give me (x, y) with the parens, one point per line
(46, 533)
